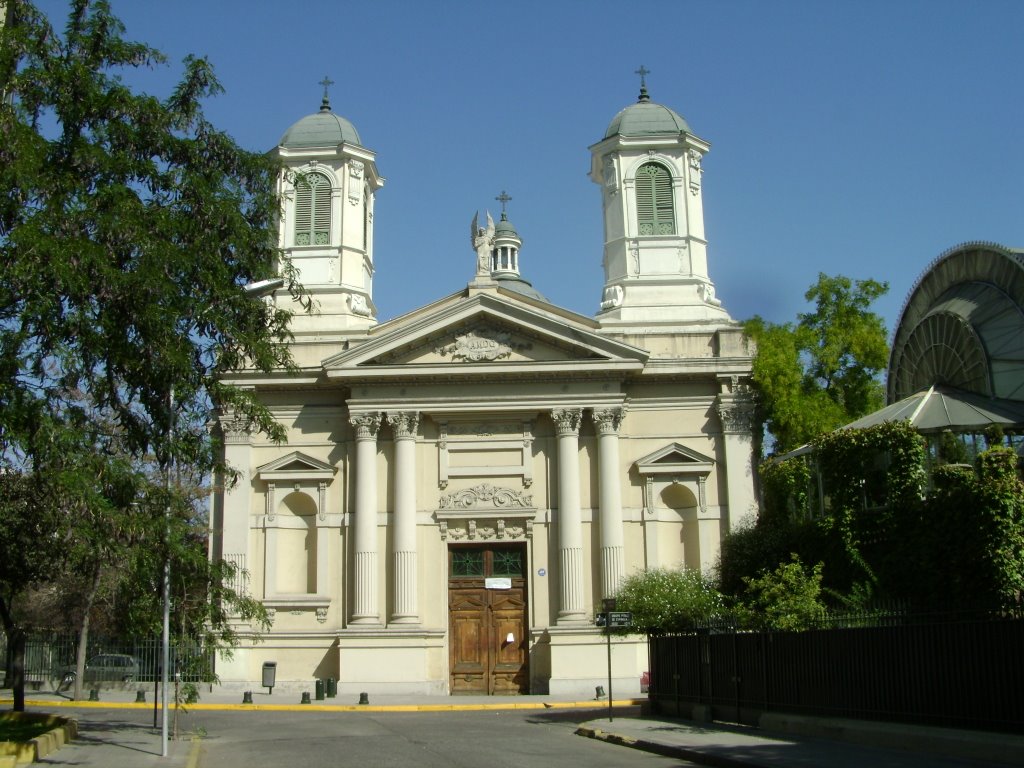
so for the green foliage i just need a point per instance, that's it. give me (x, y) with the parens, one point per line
(883, 534)
(665, 600)
(785, 488)
(823, 371)
(788, 598)
(128, 226)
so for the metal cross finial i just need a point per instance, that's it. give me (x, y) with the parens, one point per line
(643, 72)
(326, 83)
(503, 198)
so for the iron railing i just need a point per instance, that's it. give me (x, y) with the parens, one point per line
(954, 671)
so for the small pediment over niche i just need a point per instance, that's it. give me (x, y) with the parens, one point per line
(675, 459)
(294, 467)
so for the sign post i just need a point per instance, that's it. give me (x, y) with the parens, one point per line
(617, 620)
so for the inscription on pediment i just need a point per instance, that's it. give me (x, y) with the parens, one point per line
(482, 345)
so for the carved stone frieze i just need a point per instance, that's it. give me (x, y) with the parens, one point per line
(472, 530)
(473, 498)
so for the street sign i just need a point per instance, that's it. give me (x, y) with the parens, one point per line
(619, 619)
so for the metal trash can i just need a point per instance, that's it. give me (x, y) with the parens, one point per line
(269, 674)
(332, 687)
(319, 689)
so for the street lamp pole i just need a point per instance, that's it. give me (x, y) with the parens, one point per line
(255, 290)
(166, 639)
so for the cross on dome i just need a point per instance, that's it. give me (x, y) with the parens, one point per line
(643, 72)
(504, 199)
(325, 105)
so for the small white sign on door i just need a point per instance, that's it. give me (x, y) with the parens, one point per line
(494, 583)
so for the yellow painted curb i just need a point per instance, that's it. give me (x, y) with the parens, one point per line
(585, 704)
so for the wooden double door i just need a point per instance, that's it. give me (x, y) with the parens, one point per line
(487, 619)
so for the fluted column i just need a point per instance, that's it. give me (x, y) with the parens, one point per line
(607, 422)
(570, 526)
(404, 425)
(365, 609)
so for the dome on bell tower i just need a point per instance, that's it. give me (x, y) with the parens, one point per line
(321, 129)
(646, 118)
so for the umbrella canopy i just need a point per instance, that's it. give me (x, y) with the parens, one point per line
(940, 408)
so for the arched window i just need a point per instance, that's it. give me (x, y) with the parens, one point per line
(654, 210)
(313, 210)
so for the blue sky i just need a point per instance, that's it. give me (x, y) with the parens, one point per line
(859, 138)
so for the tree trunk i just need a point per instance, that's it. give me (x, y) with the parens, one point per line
(16, 643)
(83, 632)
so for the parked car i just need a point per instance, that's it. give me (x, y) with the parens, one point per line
(103, 668)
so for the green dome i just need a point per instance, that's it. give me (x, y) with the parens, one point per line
(321, 129)
(517, 284)
(645, 118)
(504, 227)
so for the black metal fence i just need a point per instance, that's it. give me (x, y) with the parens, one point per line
(109, 661)
(957, 672)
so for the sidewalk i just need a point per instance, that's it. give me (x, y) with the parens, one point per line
(849, 744)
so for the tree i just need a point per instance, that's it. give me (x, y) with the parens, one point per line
(128, 226)
(823, 371)
(665, 600)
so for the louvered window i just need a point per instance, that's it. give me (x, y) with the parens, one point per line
(313, 210)
(654, 211)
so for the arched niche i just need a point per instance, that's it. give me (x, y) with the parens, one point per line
(296, 530)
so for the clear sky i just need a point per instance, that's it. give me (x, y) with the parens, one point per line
(859, 138)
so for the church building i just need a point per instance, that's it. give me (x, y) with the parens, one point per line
(464, 484)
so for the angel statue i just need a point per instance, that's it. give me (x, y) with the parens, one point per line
(482, 240)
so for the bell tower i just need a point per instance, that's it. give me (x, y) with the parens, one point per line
(648, 166)
(327, 189)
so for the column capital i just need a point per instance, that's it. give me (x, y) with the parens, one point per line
(365, 424)
(404, 423)
(567, 420)
(737, 413)
(608, 420)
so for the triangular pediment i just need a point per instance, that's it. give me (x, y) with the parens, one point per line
(483, 331)
(674, 458)
(295, 466)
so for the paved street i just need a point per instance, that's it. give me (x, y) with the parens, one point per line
(424, 739)
(496, 739)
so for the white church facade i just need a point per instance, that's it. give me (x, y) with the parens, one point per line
(464, 484)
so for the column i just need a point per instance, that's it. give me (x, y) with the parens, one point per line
(570, 526)
(607, 422)
(404, 425)
(736, 410)
(365, 609)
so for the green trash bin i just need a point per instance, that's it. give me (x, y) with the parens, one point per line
(332, 687)
(319, 689)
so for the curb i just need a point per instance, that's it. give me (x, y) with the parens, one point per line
(534, 705)
(665, 750)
